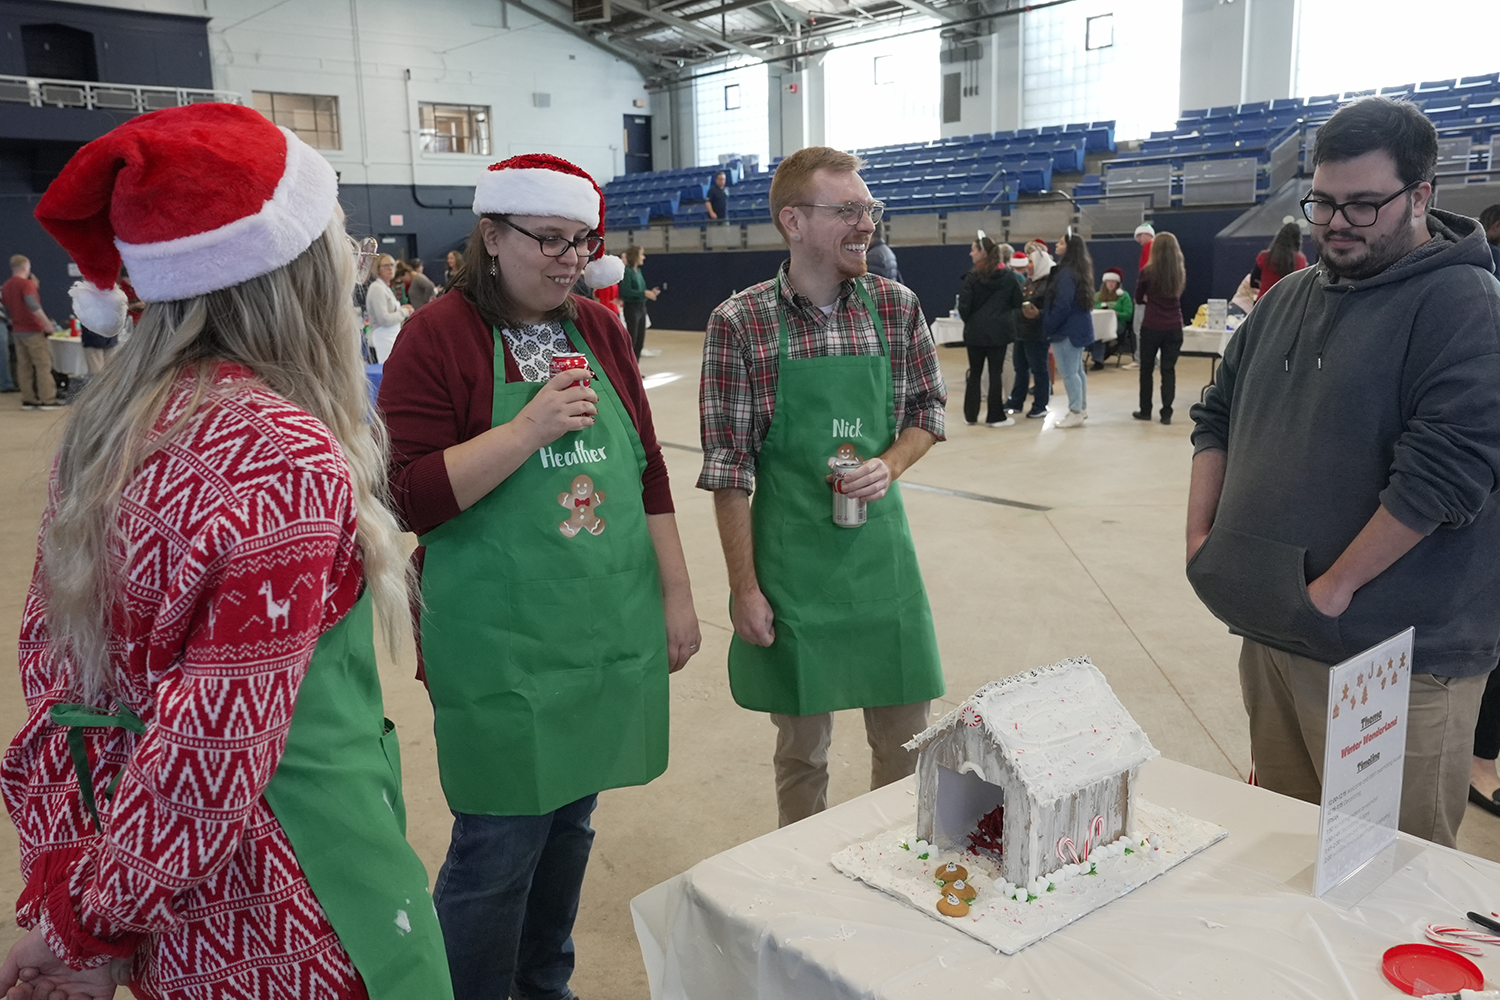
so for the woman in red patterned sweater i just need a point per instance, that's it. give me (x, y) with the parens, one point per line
(201, 791)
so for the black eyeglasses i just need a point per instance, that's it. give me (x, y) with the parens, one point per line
(852, 211)
(555, 246)
(1359, 214)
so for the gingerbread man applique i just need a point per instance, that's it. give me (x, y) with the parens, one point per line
(844, 454)
(580, 502)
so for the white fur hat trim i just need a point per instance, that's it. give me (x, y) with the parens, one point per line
(526, 191)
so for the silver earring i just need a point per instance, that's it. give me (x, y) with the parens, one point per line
(494, 266)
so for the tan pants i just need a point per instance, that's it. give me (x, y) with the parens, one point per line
(802, 755)
(96, 358)
(34, 368)
(1287, 698)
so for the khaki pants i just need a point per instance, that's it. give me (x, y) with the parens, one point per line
(1287, 698)
(802, 755)
(96, 358)
(34, 368)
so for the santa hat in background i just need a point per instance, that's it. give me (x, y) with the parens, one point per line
(192, 200)
(543, 184)
(1113, 272)
(1146, 228)
(1019, 260)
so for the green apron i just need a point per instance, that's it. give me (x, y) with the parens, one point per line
(543, 638)
(337, 794)
(853, 627)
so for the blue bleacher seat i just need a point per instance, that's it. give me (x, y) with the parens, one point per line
(1254, 107)
(1350, 95)
(1427, 86)
(1398, 90)
(1488, 79)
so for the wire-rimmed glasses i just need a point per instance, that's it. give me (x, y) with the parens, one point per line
(851, 211)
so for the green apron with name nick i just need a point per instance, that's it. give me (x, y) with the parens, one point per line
(543, 638)
(852, 622)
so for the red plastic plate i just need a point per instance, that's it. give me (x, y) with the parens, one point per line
(1433, 969)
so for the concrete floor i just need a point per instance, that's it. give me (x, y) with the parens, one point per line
(1097, 572)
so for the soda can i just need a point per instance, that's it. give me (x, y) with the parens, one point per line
(563, 362)
(847, 511)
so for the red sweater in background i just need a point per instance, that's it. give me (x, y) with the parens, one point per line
(438, 389)
(1268, 274)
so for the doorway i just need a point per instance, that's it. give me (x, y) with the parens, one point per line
(637, 144)
(402, 246)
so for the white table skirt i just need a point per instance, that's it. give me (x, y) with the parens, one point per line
(67, 355)
(772, 919)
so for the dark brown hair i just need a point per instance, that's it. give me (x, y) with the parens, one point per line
(486, 292)
(1283, 250)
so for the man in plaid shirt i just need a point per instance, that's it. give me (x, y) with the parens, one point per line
(826, 617)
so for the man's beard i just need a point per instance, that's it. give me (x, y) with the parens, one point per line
(1379, 254)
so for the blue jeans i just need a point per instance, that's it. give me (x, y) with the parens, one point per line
(1030, 360)
(7, 382)
(507, 896)
(1070, 367)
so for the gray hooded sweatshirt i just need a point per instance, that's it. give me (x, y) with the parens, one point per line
(1337, 398)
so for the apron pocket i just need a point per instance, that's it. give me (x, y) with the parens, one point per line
(1258, 587)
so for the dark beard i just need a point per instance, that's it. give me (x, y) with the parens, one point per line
(1379, 256)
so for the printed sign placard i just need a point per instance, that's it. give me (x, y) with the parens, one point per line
(1363, 758)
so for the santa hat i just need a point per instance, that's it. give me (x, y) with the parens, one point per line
(1146, 228)
(1114, 272)
(1019, 260)
(543, 184)
(192, 200)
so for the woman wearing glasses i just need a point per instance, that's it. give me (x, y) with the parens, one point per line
(202, 789)
(556, 598)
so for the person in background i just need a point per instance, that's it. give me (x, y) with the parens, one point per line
(399, 281)
(825, 618)
(385, 313)
(1159, 292)
(1489, 221)
(881, 259)
(454, 262)
(634, 294)
(609, 298)
(205, 789)
(987, 303)
(1029, 356)
(1145, 233)
(1066, 321)
(718, 198)
(419, 288)
(527, 490)
(1484, 780)
(1112, 295)
(1278, 260)
(29, 328)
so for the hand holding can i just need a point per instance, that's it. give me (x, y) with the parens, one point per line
(848, 512)
(565, 362)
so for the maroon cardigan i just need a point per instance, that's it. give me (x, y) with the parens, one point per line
(437, 390)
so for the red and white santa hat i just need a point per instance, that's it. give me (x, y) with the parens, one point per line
(1113, 272)
(192, 200)
(543, 184)
(1019, 260)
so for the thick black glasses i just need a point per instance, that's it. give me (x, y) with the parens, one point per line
(1357, 213)
(851, 211)
(556, 246)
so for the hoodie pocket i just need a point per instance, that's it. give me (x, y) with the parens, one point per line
(1258, 587)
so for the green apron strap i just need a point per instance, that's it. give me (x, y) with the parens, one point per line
(864, 294)
(75, 718)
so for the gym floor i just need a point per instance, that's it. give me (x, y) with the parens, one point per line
(1037, 543)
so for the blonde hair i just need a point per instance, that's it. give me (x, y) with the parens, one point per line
(632, 256)
(19, 261)
(295, 330)
(794, 176)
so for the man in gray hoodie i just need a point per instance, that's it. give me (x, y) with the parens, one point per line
(1344, 463)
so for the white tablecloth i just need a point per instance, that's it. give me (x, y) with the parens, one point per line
(772, 919)
(947, 329)
(1203, 341)
(1106, 321)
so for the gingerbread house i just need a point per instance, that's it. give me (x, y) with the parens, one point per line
(1033, 770)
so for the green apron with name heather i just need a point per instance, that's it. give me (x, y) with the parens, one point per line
(543, 638)
(853, 626)
(337, 794)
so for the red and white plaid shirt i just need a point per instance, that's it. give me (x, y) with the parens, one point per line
(737, 395)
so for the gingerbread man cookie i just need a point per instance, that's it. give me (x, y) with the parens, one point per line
(580, 502)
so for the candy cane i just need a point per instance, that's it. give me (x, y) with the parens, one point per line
(1096, 829)
(1435, 932)
(1072, 849)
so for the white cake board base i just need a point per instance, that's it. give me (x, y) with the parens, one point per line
(1009, 925)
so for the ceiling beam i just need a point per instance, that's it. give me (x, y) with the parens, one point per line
(946, 17)
(690, 28)
(647, 64)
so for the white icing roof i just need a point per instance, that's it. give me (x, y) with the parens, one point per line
(1060, 727)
